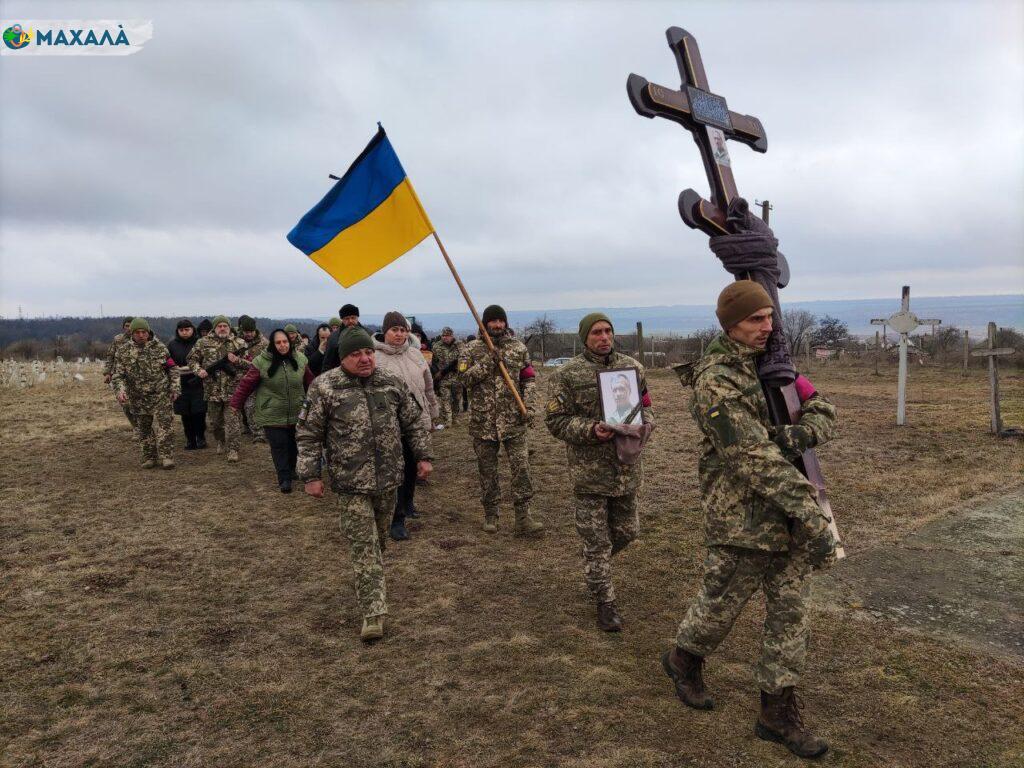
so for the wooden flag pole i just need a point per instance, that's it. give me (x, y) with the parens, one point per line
(483, 331)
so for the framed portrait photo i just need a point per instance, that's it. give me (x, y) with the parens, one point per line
(619, 389)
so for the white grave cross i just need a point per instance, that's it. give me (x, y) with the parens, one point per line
(992, 353)
(904, 322)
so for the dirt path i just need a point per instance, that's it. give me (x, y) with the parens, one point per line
(960, 577)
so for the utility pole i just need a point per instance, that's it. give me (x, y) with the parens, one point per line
(765, 207)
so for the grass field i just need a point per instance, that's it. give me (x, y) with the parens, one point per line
(201, 618)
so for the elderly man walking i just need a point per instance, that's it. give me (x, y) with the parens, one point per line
(359, 416)
(604, 487)
(764, 529)
(214, 359)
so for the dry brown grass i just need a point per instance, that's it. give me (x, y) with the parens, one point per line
(200, 618)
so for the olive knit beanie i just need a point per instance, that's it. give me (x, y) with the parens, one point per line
(353, 339)
(739, 301)
(588, 322)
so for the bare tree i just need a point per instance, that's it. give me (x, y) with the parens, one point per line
(797, 325)
(541, 328)
(705, 335)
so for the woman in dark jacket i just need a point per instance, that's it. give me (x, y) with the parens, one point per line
(279, 376)
(191, 404)
(317, 348)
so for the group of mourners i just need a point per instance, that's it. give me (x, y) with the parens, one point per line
(365, 407)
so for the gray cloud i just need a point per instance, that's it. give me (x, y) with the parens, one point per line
(165, 182)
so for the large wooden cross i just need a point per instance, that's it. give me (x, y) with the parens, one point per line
(903, 322)
(993, 353)
(711, 123)
(709, 120)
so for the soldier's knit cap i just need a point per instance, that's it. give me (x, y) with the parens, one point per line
(290, 328)
(588, 322)
(353, 339)
(347, 310)
(494, 312)
(204, 325)
(139, 324)
(447, 331)
(334, 322)
(246, 323)
(218, 320)
(126, 321)
(393, 318)
(739, 301)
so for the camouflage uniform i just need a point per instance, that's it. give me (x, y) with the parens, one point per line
(219, 386)
(760, 512)
(449, 387)
(142, 373)
(495, 419)
(359, 425)
(256, 346)
(108, 367)
(605, 490)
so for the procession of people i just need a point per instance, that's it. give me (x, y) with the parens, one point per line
(366, 407)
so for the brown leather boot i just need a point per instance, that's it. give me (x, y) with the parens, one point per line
(687, 672)
(780, 721)
(608, 617)
(525, 524)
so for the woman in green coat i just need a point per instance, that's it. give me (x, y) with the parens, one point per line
(279, 376)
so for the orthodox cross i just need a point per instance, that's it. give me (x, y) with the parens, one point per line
(709, 120)
(992, 353)
(903, 322)
(711, 123)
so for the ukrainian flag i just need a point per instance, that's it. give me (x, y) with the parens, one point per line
(368, 219)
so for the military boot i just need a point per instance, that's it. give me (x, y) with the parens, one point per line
(780, 721)
(608, 617)
(232, 456)
(490, 522)
(149, 463)
(525, 524)
(687, 672)
(167, 463)
(373, 629)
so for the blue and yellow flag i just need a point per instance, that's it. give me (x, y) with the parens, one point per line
(370, 217)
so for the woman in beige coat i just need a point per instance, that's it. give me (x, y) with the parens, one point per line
(398, 352)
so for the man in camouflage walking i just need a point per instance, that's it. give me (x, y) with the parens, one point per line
(495, 420)
(214, 359)
(763, 526)
(605, 489)
(358, 416)
(446, 375)
(124, 337)
(147, 382)
(255, 343)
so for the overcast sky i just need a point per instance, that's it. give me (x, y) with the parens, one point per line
(165, 182)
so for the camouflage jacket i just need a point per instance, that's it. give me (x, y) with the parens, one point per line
(359, 425)
(753, 496)
(574, 407)
(444, 356)
(119, 341)
(493, 413)
(255, 347)
(208, 350)
(144, 375)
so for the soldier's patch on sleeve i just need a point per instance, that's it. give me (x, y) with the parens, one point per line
(555, 404)
(717, 418)
(463, 366)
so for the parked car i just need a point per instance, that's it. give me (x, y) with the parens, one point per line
(554, 362)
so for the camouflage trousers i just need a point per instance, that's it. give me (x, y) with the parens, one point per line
(448, 398)
(224, 423)
(364, 521)
(519, 463)
(250, 419)
(155, 431)
(731, 576)
(606, 524)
